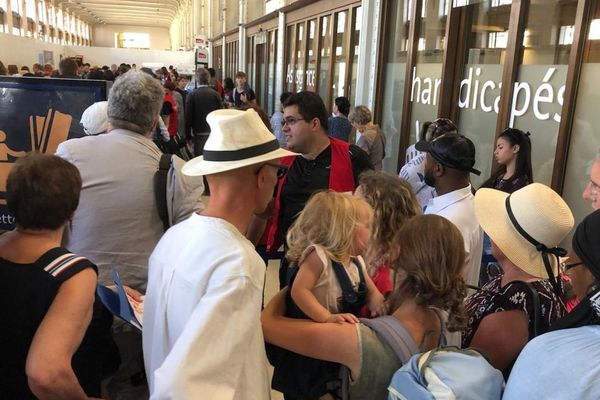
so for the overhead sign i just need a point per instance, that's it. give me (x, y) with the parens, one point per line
(201, 56)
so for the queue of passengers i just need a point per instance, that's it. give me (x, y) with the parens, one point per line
(361, 248)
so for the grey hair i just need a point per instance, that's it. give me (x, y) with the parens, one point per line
(135, 101)
(203, 76)
(360, 115)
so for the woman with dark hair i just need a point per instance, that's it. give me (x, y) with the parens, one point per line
(513, 155)
(429, 294)
(55, 340)
(563, 364)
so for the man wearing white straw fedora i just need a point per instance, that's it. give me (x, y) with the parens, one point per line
(525, 228)
(202, 334)
(449, 161)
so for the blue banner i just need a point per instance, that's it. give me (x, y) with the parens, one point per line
(37, 114)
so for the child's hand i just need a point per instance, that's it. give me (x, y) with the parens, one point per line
(342, 318)
(379, 309)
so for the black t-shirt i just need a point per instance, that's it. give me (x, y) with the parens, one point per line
(308, 176)
(26, 293)
(167, 108)
(237, 101)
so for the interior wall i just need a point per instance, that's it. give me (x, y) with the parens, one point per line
(104, 35)
(29, 49)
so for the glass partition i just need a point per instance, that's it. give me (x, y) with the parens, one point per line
(426, 76)
(479, 94)
(393, 92)
(585, 136)
(538, 93)
(339, 65)
(325, 49)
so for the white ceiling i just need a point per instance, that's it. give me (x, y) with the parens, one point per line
(124, 12)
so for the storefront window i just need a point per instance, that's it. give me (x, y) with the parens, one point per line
(300, 59)
(538, 93)
(311, 66)
(585, 137)
(289, 57)
(340, 51)
(325, 48)
(479, 94)
(426, 76)
(357, 21)
(393, 92)
(271, 104)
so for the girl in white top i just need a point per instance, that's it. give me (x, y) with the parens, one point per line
(334, 228)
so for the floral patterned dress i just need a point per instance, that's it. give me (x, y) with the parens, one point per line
(515, 295)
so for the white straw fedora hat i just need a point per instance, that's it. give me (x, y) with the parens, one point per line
(237, 139)
(527, 225)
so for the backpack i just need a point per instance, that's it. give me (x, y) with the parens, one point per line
(447, 373)
(160, 188)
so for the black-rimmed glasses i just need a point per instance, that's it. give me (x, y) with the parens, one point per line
(566, 267)
(281, 169)
(291, 121)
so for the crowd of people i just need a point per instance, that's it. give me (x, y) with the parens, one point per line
(362, 250)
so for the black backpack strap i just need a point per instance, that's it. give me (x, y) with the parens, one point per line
(160, 189)
(536, 318)
(352, 300)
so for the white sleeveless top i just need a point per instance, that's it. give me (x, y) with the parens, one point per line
(327, 290)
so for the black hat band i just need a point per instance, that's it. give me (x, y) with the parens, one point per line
(241, 154)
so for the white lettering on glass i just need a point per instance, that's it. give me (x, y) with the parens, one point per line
(473, 92)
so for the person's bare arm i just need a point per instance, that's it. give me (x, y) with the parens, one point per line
(258, 223)
(325, 341)
(375, 300)
(501, 336)
(48, 366)
(308, 274)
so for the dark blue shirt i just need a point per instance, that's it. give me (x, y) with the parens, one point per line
(339, 127)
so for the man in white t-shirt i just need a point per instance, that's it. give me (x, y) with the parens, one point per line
(202, 334)
(450, 159)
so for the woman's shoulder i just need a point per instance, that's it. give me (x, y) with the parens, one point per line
(61, 264)
(315, 253)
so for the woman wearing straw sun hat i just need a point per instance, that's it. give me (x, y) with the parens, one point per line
(525, 228)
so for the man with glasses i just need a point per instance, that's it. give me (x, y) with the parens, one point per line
(324, 163)
(592, 189)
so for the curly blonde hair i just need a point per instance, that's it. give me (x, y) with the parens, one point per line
(393, 204)
(328, 220)
(429, 267)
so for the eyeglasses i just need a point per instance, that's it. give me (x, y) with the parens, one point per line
(566, 267)
(281, 169)
(291, 121)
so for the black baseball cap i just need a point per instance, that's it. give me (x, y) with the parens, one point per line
(452, 150)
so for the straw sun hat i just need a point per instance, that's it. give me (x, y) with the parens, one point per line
(540, 221)
(237, 139)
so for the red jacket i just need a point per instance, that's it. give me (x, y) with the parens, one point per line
(172, 128)
(341, 179)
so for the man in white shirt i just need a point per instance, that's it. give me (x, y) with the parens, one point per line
(202, 334)
(450, 159)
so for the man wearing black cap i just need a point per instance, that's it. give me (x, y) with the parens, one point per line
(450, 159)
